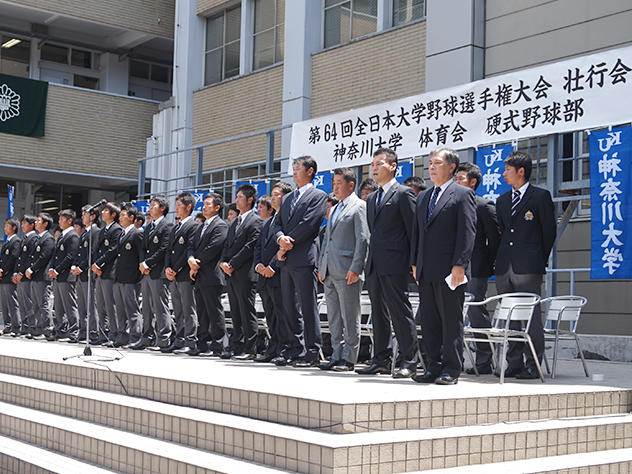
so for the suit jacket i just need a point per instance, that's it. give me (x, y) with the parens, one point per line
(40, 258)
(266, 254)
(81, 259)
(28, 247)
(527, 237)
(65, 254)
(391, 231)
(107, 250)
(130, 254)
(302, 225)
(239, 247)
(9, 258)
(346, 242)
(208, 248)
(178, 251)
(156, 243)
(447, 237)
(487, 239)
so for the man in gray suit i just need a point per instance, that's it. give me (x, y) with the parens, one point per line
(340, 270)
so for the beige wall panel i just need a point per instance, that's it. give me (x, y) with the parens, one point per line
(246, 104)
(496, 8)
(377, 69)
(138, 15)
(86, 132)
(204, 6)
(553, 32)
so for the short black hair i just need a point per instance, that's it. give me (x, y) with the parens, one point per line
(217, 199)
(249, 191)
(46, 217)
(416, 182)
(114, 209)
(265, 200)
(519, 159)
(451, 156)
(162, 202)
(369, 184)
(472, 171)
(78, 222)
(284, 186)
(388, 153)
(307, 162)
(200, 216)
(28, 218)
(331, 198)
(140, 217)
(13, 222)
(232, 207)
(131, 210)
(68, 213)
(187, 199)
(93, 211)
(348, 175)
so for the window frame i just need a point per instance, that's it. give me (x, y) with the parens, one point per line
(274, 28)
(223, 46)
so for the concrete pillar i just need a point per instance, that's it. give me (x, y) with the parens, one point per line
(34, 59)
(115, 75)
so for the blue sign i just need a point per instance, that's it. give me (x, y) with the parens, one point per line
(261, 186)
(404, 171)
(610, 210)
(199, 200)
(324, 181)
(142, 206)
(11, 200)
(491, 161)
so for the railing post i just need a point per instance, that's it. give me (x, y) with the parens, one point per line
(142, 168)
(572, 283)
(200, 165)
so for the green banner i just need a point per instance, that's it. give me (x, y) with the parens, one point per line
(22, 106)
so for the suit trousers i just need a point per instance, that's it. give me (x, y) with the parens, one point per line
(272, 299)
(82, 307)
(442, 327)
(26, 305)
(66, 318)
(299, 285)
(343, 314)
(106, 311)
(42, 314)
(157, 320)
(241, 296)
(9, 307)
(184, 311)
(479, 318)
(510, 282)
(128, 312)
(212, 324)
(389, 303)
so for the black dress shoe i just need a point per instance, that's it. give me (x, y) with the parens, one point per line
(98, 341)
(280, 361)
(403, 373)
(245, 356)
(304, 363)
(426, 377)
(138, 345)
(446, 379)
(511, 372)
(39, 337)
(343, 366)
(487, 369)
(175, 345)
(329, 365)
(528, 373)
(374, 369)
(226, 355)
(191, 351)
(264, 358)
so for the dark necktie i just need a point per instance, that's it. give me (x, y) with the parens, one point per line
(151, 227)
(295, 197)
(177, 227)
(515, 199)
(433, 201)
(271, 228)
(378, 199)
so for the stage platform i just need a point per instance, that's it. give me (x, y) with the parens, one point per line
(152, 412)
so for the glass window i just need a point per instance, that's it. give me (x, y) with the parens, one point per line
(268, 32)
(405, 11)
(54, 53)
(159, 73)
(139, 69)
(86, 82)
(221, 56)
(14, 56)
(345, 20)
(81, 58)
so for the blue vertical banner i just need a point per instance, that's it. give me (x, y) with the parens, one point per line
(610, 213)
(142, 206)
(10, 200)
(491, 161)
(199, 200)
(404, 171)
(324, 181)
(261, 186)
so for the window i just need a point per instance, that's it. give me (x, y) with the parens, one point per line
(345, 20)
(54, 53)
(69, 56)
(86, 82)
(268, 33)
(222, 46)
(405, 11)
(14, 56)
(139, 69)
(81, 58)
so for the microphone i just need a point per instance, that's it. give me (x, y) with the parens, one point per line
(100, 203)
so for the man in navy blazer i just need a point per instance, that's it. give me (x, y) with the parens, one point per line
(443, 239)
(296, 231)
(526, 217)
(390, 212)
(8, 294)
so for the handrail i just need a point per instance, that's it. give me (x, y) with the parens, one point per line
(572, 272)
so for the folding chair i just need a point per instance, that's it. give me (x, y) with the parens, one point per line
(509, 307)
(466, 330)
(563, 308)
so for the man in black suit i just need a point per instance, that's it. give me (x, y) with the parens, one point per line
(204, 258)
(237, 264)
(527, 232)
(390, 216)
(37, 273)
(88, 242)
(127, 280)
(66, 319)
(443, 239)
(157, 320)
(482, 263)
(24, 284)
(103, 267)
(269, 283)
(296, 231)
(177, 272)
(8, 293)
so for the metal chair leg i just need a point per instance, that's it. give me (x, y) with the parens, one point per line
(471, 357)
(581, 354)
(535, 358)
(555, 348)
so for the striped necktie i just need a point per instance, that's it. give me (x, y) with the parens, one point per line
(378, 199)
(295, 197)
(433, 201)
(515, 199)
